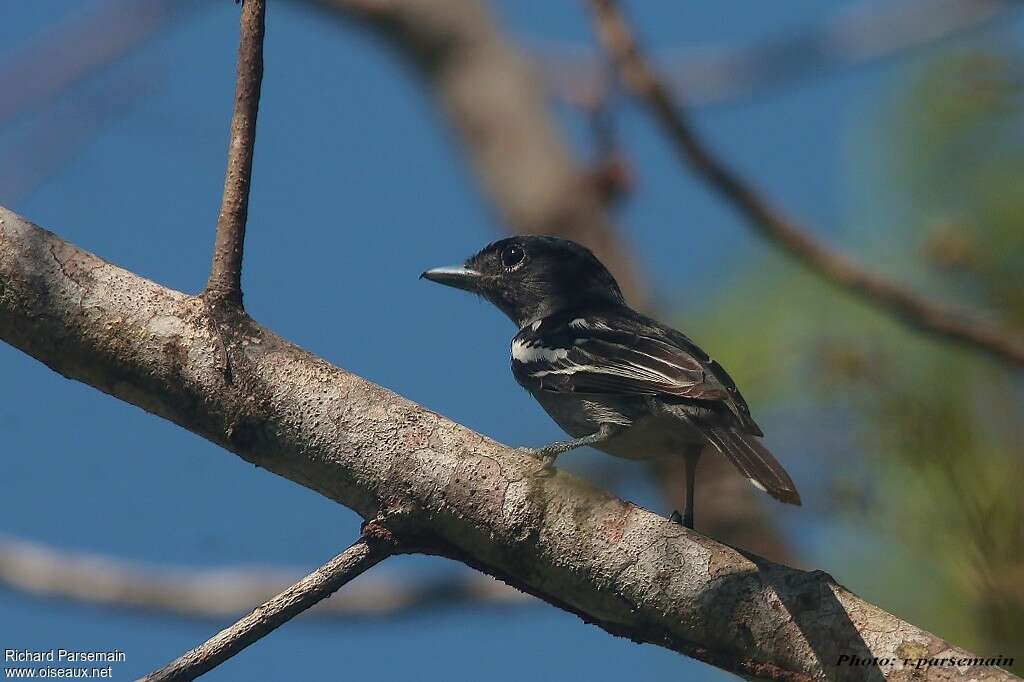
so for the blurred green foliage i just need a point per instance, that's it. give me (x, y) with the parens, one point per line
(930, 461)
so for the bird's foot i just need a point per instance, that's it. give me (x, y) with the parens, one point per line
(547, 459)
(685, 521)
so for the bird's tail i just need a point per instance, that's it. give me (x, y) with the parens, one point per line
(755, 462)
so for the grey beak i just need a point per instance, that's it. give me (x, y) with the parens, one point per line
(454, 276)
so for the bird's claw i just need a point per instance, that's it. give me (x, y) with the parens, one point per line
(684, 521)
(547, 460)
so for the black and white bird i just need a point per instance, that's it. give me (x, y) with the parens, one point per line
(612, 378)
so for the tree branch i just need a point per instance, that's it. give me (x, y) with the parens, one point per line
(916, 311)
(225, 283)
(375, 544)
(620, 567)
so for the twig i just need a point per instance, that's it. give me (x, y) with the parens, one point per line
(375, 545)
(225, 283)
(914, 310)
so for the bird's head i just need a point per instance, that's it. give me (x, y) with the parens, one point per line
(532, 277)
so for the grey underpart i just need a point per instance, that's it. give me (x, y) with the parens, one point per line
(691, 484)
(649, 429)
(550, 453)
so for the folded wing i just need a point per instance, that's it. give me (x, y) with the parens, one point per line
(622, 355)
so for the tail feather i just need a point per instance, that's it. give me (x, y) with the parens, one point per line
(754, 461)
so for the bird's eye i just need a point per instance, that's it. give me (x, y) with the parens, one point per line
(512, 257)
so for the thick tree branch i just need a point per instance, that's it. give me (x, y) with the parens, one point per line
(912, 309)
(376, 544)
(620, 567)
(225, 283)
(217, 593)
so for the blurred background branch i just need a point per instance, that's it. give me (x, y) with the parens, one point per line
(79, 47)
(946, 322)
(217, 593)
(57, 133)
(857, 34)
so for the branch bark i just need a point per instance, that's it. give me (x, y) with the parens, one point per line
(225, 283)
(620, 567)
(376, 544)
(914, 310)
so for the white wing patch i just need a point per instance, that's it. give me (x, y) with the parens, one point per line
(559, 362)
(583, 323)
(574, 369)
(524, 352)
(757, 484)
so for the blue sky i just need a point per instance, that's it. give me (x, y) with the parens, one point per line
(358, 187)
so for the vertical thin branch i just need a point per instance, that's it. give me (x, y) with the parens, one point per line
(375, 545)
(225, 283)
(914, 310)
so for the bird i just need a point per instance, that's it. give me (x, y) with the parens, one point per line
(609, 376)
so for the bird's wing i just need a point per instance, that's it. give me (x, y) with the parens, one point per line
(621, 355)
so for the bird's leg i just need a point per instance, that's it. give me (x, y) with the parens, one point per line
(550, 453)
(691, 483)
